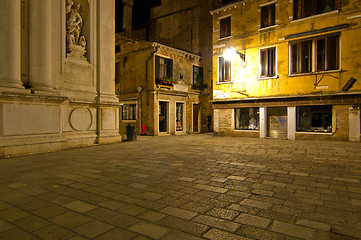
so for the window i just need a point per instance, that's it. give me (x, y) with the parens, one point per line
(129, 112)
(301, 57)
(225, 27)
(197, 76)
(163, 68)
(325, 50)
(268, 15)
(268, 62)
(314, 119)
(179, 116)
(306, 8)
(327, 53)
(246, 118)
(224, 70)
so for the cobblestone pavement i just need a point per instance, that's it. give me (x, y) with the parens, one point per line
(185, 187)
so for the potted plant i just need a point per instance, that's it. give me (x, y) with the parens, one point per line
(166, 81)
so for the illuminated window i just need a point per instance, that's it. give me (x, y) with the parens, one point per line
(314, 119)
(179, 116)
(225, 27)
(129, 112)
(268, 15)
(325, 50)
(268, 62)
(306, 8)
(163, 67)
(224, 70)
(197, 76)
(246, 118)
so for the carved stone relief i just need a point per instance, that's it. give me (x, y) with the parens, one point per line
(75, 42)
(80, 119)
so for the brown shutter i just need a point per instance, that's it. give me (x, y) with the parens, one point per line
(296, 9)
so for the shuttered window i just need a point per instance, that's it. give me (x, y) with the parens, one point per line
(224, 70)
(268, 15)
(306, 8)
(225, 27)
(326, 52)
(268, 62)
(163, 67)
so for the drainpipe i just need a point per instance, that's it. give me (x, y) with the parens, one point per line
(140, 109)
(146, 75)
(97, 98)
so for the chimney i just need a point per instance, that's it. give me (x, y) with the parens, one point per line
(127, 16)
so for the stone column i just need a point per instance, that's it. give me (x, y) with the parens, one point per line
(262, 122)
(291, 116)
(40, 74)
(10, 49)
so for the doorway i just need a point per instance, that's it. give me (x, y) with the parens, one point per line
(277, 122)
(163, 117)
(195, 117)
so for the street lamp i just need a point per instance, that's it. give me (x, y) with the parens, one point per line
(230, 53)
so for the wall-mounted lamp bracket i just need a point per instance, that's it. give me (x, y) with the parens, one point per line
(230, 53)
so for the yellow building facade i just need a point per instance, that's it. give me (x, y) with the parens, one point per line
(287, 69)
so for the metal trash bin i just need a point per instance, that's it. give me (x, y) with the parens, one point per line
(131, 133)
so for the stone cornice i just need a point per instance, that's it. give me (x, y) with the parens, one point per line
(181, 53)
(177, 52)
(229, 6)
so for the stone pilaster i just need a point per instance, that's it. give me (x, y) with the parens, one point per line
(292, 123)
(40, 67)
(354, 124)
(10, 49)
(262, 122)
(107, 102)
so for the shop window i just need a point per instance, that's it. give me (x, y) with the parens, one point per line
(224, 70)
(129, 112)
(314, 119)
(163, 68)
(268, 15)
(197, 76)
(326, 52)
(179, 116)
(225, 27)
(268, 62)
(306, 8)
(246, 118)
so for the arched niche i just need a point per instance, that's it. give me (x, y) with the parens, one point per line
(85, 29)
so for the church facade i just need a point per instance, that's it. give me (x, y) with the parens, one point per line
(56, 75)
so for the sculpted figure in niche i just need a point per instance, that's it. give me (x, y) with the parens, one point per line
(74, 23)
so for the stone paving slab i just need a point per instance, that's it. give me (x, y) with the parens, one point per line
(185, 187)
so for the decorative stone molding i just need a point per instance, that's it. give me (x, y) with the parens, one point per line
(177, 52)
(80, 119)
(230, 6)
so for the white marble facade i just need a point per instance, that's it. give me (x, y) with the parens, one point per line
(56, 75)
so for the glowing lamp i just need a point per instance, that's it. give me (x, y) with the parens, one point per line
(231, 53)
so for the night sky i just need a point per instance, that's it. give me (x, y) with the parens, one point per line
(141, 13)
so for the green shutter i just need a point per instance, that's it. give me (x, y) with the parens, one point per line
(157, 61)
(170, 68)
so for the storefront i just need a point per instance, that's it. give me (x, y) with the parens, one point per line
(332, 117)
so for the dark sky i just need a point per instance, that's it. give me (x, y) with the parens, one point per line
(141, 13)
